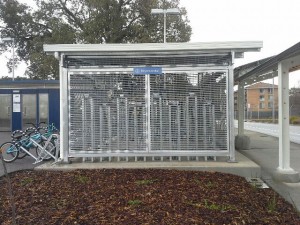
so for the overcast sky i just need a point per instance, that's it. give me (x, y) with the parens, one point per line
(275, 22)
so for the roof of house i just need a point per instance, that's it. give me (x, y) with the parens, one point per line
(261, 85)
(28, 84)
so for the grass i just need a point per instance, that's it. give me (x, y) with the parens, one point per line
(26, 181)
(272, 204)
(135, 202)
(145, 182)
(212, 206)
(82, 179)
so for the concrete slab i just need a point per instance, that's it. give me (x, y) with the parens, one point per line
(264, 150)
(244, 167)
(20, 164)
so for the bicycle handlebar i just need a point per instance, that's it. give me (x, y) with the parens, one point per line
(36, 127)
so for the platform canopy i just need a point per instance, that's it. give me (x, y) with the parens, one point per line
(280, 66)
(268, 67)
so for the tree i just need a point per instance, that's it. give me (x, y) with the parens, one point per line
(84, 21)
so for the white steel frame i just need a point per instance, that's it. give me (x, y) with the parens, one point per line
(230, 132)
(60, 51)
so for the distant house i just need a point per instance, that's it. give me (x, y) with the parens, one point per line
(259, 100)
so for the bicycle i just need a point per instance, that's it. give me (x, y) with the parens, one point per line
(45, 145)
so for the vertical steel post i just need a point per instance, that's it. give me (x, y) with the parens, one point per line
(118, 124)
(13, 66)
(101, 127)
(178, 128)
(213, 118)
(196, 122)
(170, 127)
(152, 123)
(258, 110)
(160, 124)
(241, 108)
(230, 110)
(205, 136)
(273, 103)
(284, 172)
(83, 120)
(92, 129)
(135, 128)
(64, 111)
(127, 123)
(148, 111)
(283, 118)
(109, 128)
(187, 124)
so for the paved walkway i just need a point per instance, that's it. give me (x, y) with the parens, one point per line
(264, 151)
(272, 129)
(23, 164)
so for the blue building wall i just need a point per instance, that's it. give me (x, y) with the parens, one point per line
(33, 87)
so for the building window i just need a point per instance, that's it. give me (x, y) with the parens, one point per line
(270, 90)
(261, 98)
(270, 98)
(262, 105)
(270, 105)
(261, 90)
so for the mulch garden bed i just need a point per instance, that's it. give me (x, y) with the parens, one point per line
(149, 196)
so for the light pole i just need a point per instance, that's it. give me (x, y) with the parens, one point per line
(9, 39)
(172, 11)
(273, 103)
(258, 111)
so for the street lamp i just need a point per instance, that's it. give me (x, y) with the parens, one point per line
(172, 11)
(9, 39)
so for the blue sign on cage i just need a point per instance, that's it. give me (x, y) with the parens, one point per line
(147, 70)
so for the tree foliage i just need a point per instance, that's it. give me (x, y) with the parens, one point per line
(84, 21)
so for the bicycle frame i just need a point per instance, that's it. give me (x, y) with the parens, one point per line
(39, 158)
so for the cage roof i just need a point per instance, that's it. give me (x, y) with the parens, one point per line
(151, 54)
(154, 48)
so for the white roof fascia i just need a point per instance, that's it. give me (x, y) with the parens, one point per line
(71, 49)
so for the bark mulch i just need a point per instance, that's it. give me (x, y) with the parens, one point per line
(141, 196)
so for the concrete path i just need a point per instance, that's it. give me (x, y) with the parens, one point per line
(264, 151)
(21, 164)
(271, 129)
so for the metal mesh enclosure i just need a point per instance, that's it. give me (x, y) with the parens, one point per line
(95, 61)
(107, 113)
(188, 112)
(149, 101)
(182, 113)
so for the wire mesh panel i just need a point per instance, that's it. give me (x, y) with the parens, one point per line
(189, 112)
(107, 113)
(112, 113)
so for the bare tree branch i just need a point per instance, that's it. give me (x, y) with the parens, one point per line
(71, 15)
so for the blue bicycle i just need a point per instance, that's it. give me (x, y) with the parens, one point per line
(44, 142)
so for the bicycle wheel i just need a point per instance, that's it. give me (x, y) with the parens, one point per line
(21, 154)
(50, 148)
(9, 152)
